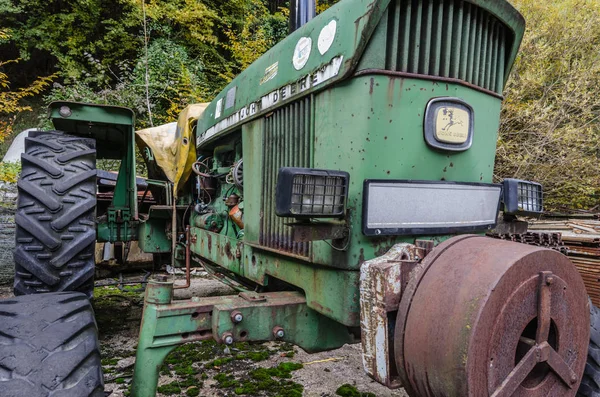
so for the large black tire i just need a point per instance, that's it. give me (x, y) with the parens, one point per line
(56, 215)
(49, 347)
(590, 384)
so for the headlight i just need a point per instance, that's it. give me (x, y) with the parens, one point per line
(522, 197)
(428, 207)
(311, 193)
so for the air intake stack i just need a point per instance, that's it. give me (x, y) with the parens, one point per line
(301, 11)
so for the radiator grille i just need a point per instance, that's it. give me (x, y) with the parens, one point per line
(447, 38)
(287, 144)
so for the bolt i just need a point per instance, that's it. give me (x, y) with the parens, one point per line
(227, 338)
(549, 280)
(236, 317)
(278, 332)
(573, 379)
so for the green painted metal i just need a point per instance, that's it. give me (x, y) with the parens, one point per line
(370, 125)
(152, 237)
(358, 107)
(166, 325)
(113, 128)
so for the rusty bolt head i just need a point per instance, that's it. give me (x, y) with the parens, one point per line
(227, 338)
(574, 378)
(236, 317)
(278, 332)
(549, 280)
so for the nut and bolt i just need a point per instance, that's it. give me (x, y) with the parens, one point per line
(227, 338)
(278, 332)
(236, 317)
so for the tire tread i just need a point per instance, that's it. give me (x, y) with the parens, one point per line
(55, 218)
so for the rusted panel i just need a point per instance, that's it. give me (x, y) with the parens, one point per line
(484, 316)
(381, 281)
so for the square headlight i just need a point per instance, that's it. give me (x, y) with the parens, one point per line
(522, 197)
(311, 193)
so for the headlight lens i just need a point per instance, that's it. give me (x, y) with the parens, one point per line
(522, 197)
(305, 192)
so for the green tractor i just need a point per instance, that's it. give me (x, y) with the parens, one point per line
(343, 185)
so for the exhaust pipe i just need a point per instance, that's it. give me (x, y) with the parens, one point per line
(301, 11)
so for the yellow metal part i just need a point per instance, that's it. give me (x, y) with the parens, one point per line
(173, 145)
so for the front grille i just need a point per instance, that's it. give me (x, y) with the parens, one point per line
(448, 38)
(287, 144)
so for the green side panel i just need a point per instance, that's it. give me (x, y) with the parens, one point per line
(253, 142)
(152, 237)
(379, 135)
(217, 248)
(111, 126)
(355, 21)
(331, 292)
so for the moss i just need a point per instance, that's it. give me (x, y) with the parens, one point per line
(170, 389)
(110, 361)
(119, 381)
(347, 390)
(192, 392)
(116, 310)
(218, 362)
(265, 380)
(225, 380)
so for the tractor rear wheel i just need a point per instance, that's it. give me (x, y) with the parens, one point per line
(56, 215)
(49, 347)
(590, 384)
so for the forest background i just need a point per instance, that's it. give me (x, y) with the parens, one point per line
(170, 53)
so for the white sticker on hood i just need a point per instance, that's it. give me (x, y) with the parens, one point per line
(302, 52)
(326, 36)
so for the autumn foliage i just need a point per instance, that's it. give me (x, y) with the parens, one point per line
(550, 130)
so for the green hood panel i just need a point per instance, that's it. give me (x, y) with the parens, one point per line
(274, 80)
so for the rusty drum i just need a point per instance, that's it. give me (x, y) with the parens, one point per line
(485, 317)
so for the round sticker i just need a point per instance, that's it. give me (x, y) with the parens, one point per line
(302, 52)
(326, 36)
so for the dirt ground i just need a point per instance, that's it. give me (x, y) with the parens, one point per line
(208, 369)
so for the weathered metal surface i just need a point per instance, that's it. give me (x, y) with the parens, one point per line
(266, 80)
(489, 317)
(227, 319)
(187, 261)
(306, 232)
(381, 283)
(288, 137)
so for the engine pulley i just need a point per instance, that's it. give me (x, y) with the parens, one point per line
(485, 317)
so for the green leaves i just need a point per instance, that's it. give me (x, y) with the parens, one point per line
(550, 130)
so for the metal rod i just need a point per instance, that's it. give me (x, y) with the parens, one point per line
(188, 280)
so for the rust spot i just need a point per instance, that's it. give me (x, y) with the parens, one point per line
(209, 241)
(451, 164)
(385, 137)
(388, 172)
(361, 257)
(445, 169)
(371, 86)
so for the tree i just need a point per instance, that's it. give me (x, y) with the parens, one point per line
(550, 130)
(10, 100)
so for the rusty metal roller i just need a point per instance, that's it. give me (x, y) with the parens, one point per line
(485, 317)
